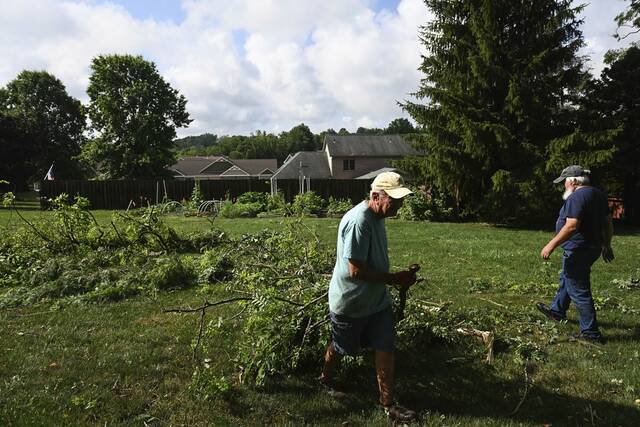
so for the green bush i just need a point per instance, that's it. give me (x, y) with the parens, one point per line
(239, 210)
(307, 204)
(255, 198)
(276, 203)
(338, 206)
(423, 206)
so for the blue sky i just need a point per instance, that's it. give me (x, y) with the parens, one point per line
(160, 10)
(247, 65)
(172, 10)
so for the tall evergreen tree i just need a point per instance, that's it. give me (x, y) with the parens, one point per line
(608, 136)
(500, 81)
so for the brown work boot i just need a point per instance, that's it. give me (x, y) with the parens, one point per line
(400, 414)
(331, 387)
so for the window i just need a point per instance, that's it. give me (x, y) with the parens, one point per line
(349, 164)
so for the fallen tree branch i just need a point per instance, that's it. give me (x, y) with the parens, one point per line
(206, 305)
(203, 310)
(492, 302)
(315, 300)
(524, 395)
(486, 337)
(38, 232)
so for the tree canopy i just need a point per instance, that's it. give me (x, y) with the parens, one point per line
(41, 124)
(500, 82)
(134, 113)
(629, 20)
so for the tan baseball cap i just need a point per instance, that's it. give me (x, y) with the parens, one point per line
(392, 184)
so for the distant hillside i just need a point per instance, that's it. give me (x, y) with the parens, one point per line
(198, 141)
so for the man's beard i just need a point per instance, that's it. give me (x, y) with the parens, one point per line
(567, 193)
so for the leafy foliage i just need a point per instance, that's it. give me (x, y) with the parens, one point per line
(73, 257)
(425, 206)
(500, 81)
(40, 123)
(338, 207)
(630, 16)
(135, 114)
(609, 130)
(308, 203)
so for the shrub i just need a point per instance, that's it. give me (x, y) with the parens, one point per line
(425, 206)
(307, 203)
(276, 203)
(255, 198)
(338, 206)
(239, 210)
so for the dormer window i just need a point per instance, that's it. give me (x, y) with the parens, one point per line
(349, 164)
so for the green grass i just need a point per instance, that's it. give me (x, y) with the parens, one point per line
(128, 363)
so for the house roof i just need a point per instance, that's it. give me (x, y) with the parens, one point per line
(368, 146)
(193, 166)
(256, 166)
(373, 174)
(314, 165)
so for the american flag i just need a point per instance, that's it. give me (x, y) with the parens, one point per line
(49, 175)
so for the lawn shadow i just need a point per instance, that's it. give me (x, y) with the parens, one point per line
(450, 383)
(439, 379)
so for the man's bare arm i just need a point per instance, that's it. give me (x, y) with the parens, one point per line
(363, 271)
(570, 226)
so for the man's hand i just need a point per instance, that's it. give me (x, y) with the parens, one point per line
(545, 253)
(607, 254)
(404, 278)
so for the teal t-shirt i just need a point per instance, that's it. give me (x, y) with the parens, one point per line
(361, 236)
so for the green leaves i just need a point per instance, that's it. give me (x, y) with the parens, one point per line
(134, 113)
(499, 80)
(40, 123)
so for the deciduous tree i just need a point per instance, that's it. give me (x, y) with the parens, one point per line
(134, 113)
(42, 124)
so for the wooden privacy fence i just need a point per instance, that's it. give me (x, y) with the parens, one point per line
(117, 194)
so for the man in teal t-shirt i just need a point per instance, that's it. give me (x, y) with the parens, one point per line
(359, 302)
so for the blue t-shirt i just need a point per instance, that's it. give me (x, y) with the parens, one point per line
(361, 236)
(588, 205)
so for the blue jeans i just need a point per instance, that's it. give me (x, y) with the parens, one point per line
(575, 285)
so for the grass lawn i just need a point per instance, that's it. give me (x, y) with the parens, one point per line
(128, 363)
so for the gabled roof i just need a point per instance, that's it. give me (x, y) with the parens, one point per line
(256, 166)
(192, 165)
(373, 174)
(234, 171)
(314, 165)
(216, 167)
(207, 166)
(367, 146)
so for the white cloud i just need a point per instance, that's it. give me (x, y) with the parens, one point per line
(598, 30)
(248, 65)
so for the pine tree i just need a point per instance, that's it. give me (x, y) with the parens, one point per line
(607, 139)
(500, 82)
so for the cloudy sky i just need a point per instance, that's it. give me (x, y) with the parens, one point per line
(247, 65)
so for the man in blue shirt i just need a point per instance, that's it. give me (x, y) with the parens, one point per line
(359, 302)
(584, 230)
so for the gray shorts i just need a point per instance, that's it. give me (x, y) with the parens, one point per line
(351, 334)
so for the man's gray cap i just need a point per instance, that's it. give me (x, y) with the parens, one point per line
(570, 172)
